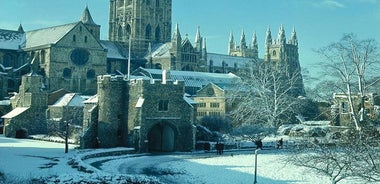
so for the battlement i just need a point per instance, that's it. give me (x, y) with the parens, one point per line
(110, 78)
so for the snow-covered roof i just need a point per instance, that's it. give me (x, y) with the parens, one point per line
(11, 40)
(15, 112)
(114, 50)
(161, 50)
(5, 102)
(47, 36)
(191, 79)
(92, 99)
(189, 100)
(230, 61)
(70, 99)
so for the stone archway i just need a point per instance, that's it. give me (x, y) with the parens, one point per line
(161, 138)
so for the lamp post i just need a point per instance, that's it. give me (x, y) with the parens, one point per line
(255, 180)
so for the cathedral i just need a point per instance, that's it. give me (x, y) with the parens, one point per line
(40, 70)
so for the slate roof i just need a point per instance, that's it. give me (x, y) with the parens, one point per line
(114, 50)
(11, 40)
(161, 50)
(70, 99)
(47, 36)
(15, 112)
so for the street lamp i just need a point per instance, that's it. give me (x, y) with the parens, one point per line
(255, 180)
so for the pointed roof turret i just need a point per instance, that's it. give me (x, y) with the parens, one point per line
(281, 39)
(231, 38)
(204, 49)
(293, 38)
(198, 36)
(254, 41)
(242, 40)
(20, 29)
(268, 38)
(198, 40)
(86, 17)
(176, 33)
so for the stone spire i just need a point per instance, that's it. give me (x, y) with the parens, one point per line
(254, 41)
(204, 49)
(231, 44)
(198, 40)
(281, 39)
(20, 29)
(293, 38)
(243, 43)
(268, 38)
(86, 17)
(176, 33)
(177, 39)
(254, 46)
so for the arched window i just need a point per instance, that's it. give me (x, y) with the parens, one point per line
(148, 32)
(66, 73)
(274, 53)
(128, 29)
(120, 33)
(74, 38)
(157, 33)
(85, 39)
(91, 74)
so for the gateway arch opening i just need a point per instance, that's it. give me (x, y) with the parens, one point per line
(161, 138)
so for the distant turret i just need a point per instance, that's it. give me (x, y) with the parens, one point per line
(254, 46)
(243, 43)
(198, 41)
(281, 39)
(231, 44)
(293, 39)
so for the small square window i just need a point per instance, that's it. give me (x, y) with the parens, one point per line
(163, 105)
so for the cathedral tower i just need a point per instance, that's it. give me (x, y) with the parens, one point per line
(285, 53)
(143, 22)
(241, 49)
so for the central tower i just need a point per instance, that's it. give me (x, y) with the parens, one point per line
(142, 21)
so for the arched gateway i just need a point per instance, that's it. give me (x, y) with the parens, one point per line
(161, 138)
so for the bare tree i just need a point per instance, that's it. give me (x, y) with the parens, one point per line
(264, 96)
(352, 62)
(355, 155)
(350, 158)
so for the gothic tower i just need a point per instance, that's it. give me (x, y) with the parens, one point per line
(241, 49)
(143, 22)
(285, 53)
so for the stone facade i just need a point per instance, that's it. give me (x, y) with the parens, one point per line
(284, 55)
(340, 110)
(140, 23)
(211, 101)
(129, 114)
(29, 108)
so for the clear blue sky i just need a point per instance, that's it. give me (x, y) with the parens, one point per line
(317, 22)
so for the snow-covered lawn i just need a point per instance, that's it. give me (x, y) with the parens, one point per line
(22, 159)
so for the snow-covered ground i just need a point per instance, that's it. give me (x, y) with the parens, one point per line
(21, 159)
